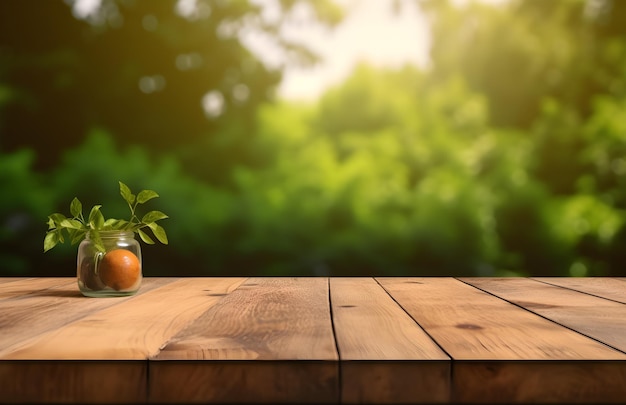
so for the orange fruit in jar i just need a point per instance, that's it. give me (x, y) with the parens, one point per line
(119, 269)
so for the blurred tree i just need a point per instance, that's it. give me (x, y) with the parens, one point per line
(518, 62)
(505, 157)
(24, 205)
(158, 73)
(512, 56)
(556, 70)
(390, 174)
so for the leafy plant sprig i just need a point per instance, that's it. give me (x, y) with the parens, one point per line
(76, 228)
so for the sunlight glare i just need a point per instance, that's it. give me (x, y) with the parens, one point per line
(84, 8)
(213, 104)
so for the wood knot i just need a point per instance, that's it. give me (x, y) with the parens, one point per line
(468, 326)
(534, 305)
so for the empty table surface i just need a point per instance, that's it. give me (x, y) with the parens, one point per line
(316, 339)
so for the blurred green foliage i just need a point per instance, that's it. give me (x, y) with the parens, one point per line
(506, 156)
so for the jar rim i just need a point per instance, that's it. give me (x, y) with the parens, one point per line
(114, 233)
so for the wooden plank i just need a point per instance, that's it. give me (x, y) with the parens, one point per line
(370, 325)
(470, 324)
(372, 331)
(587, 381)
(605, 287)
(68, 382)
(134, 330)
(12, 279)
(243, 381)
(599, 318)
(34, 286)
(271, 340)
(395, 381)
(266, 318)
(36, 312)
(568, 382)
(268, 330)
(496, 344)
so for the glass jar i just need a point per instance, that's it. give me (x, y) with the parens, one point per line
(109, 264)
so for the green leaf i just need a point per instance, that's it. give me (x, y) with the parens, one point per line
(127, 194)
(96, 219)
(153, 216)
(76, 208)
(146, 195)
(110, 223)
(65, 224)
(94, 235)
(50, 240)
(144, 237)
(159, 232)
(76, 235)
(77, 224)
(114, 224)
(71, 224)
(57, 218)
(75, 228)
(122, 224)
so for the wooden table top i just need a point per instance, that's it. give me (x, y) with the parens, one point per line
(316, 339)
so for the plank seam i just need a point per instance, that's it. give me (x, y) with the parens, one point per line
(451, 391)
(332, 325)
(414, 320)
(542, 316)
(576, 290)
(147, 387)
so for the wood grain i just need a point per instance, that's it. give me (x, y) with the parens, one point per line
(41, 310)
(265, 318)
(543, 382)
(599, 318)
(371, 329)
(243, 381)
(470, 324)
(34, 286)
(77, 382)
(12, 279)
(4, 279)
(134, 331)
(370, 325)
(395, 382)
(315, 340)
(604, 287)
(267, 332)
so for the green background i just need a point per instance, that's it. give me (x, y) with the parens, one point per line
(505, 156)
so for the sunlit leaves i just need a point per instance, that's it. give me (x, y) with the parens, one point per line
(76, 208)
(153, 216)
(159, 232)
(144, 237)
(126, 194)
(145, 196)
(96, 219)
(76, 227)
(51, 240)
(586, 215)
